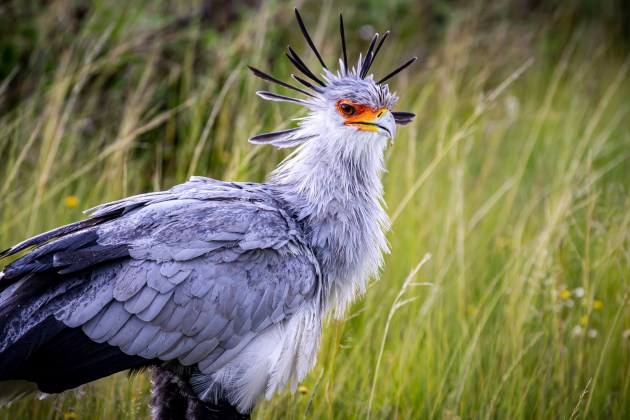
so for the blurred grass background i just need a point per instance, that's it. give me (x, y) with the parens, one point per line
(514, 177)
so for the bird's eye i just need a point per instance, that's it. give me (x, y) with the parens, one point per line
(347, 109)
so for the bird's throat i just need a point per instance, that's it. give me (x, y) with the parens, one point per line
(337, 195)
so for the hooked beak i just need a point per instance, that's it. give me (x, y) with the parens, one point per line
(385, 125)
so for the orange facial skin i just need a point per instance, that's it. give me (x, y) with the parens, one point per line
(360, 116)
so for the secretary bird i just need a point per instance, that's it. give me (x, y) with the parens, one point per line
(220, 288)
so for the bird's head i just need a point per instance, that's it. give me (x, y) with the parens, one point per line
(349, 102)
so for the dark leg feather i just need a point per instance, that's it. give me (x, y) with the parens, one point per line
(167, 402)
(172, 398)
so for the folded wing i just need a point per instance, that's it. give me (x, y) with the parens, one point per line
(192, 275)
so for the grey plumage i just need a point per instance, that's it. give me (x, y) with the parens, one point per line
(229, 281)
(212, 265)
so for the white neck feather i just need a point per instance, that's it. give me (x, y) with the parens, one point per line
(333, 183)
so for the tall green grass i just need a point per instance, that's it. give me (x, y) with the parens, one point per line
(514, 178)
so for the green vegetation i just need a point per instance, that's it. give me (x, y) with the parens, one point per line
(514, 177)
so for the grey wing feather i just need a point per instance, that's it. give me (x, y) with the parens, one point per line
(209, 266)
(110, 320)
(156, 306)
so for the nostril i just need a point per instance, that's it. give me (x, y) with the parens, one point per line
(380, 114)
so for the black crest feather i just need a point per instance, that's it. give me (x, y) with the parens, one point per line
(271, 79)
(343, 43)
(316, 85)
(295, 59)
(369, 56)
(297, 62)
(398, 70)
(308, 37)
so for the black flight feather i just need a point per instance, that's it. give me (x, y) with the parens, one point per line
(58, 358)
(73, 261)
(62, 231)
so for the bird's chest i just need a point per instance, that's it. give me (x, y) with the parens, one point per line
(349, 241)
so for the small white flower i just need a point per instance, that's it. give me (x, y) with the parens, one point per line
(592, 333)
(626, 334)
(577, 331)
(578, 292)
(569, 303)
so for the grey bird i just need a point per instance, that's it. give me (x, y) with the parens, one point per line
(220, 288)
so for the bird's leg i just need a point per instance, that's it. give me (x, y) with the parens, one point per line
(172, 398)
(167, 402)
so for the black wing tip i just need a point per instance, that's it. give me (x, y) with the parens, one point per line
(5, 253)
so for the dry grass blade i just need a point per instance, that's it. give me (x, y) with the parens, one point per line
(398, 303)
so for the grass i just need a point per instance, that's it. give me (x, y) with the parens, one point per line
(514, 177)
